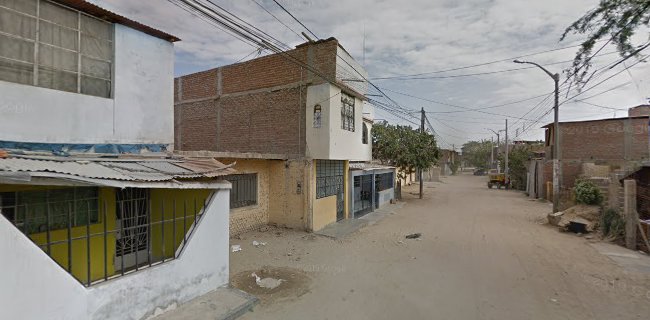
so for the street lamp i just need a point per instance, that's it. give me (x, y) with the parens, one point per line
(557, 171)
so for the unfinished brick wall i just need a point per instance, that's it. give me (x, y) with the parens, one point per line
(611, 142)
(256, 106)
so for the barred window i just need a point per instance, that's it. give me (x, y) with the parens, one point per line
(47, 45)
(317, 116)
(364, 134)
(244, 190)
(329, 178)
(384, 181)
(29, 210)
(347, 112)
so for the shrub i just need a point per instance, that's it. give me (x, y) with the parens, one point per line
(588, 193)
(613, 225)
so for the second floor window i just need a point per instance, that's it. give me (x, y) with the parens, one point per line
(51, 46)
(347, 112)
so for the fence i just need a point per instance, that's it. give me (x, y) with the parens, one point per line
(140, 234)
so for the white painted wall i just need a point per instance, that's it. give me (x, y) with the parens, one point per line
(30, 276)
(330, 141)
(141, 110)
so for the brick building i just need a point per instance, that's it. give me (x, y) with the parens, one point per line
(291, 129)
(619, 144)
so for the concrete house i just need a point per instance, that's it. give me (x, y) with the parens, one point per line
(596, 148)
(291, 123)
(98, 220)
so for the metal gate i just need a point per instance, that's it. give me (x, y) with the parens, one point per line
(329, 182)
(362, 195)
(132, 238)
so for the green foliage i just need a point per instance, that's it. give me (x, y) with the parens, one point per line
(454, 167)
(613, 20)
(613, 224)
(518, 158)
(477, 153)
(403, 147)
(587, 193)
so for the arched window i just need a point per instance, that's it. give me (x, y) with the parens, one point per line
(364, 134)
(317, 116)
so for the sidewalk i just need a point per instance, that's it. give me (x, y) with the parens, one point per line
(343, 228)
(221, 304)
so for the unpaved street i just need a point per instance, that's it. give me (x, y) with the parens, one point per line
(483, 254)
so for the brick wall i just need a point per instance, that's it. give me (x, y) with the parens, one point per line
(640, 111)
(255, 106)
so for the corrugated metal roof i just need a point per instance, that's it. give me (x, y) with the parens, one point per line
(97, 11)
(127, 169)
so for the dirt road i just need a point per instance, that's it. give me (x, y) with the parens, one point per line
(483, 254)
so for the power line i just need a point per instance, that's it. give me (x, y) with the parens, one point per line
(294, 18)
(479, 64)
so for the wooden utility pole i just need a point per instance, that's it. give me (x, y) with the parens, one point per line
(631, 215)
(420, 169)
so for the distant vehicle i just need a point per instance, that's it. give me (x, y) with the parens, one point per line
(498, 179)
(479, 172)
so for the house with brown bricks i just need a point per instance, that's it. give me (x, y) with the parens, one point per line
(291, 123)
(596, 149)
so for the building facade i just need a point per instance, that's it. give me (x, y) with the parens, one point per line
(612, 145)
(294, 119)
(98, 220)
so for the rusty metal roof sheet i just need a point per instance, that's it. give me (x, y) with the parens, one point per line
(127, 169)
(99, 12)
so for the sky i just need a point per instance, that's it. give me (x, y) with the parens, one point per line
(397, 38)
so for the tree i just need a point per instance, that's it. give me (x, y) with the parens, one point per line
(477, 153)
(613, 19)
(518, 158)
(403, 147)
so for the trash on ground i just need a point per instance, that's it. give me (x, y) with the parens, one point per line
(267, 283)
(413, 235)
(235, 248)
(257, 243)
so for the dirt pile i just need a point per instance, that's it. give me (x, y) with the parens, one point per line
(580, 216)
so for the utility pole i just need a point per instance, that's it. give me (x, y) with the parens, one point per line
(420, 169)
(507, 169)
(557, 169)
(498, 148)
(491, 152)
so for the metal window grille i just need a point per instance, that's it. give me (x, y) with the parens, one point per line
(52, 46)
(384, 181)
(31, 210)
(244, 190)
(329, 178)
(347, 112)
(172, 222)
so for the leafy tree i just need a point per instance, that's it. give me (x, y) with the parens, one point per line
(477, 153)
(616, 20)
(403, 147)
(518, 158)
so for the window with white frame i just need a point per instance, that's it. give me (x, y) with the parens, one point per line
(347, 112)
(48, 45)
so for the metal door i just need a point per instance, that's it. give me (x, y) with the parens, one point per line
(132, 237)
(362, 195)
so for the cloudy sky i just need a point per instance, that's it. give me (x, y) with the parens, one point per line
(424, 37)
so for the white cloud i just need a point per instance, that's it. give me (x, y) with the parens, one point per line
(417, 36)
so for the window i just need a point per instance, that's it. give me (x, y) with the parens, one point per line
(329, 178)
(244, 190)
(347, 112)
(364, 134)
(50, 46)
(29, 210)
(317, 116)
(384, 181)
